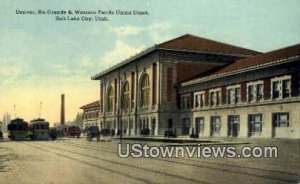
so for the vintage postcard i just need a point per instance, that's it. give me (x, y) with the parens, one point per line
(116, 91)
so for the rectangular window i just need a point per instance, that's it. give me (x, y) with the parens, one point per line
(255, 124)
(250, 93)
(185, 126)
(185, 102)
(215, 123)
(276, 89)
(281, 119)
(233, 125)
(233, 94)
(286, 88)
(199, 125)
(215, 97)
(196, 99)
(259, 92)
(199, 100)
(281, 87)
(255, 91)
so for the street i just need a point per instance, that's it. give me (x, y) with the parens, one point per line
(79, 161)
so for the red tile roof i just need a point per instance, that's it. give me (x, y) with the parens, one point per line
(93, 104)
(248, 63)
(262, 59)
(187, 43)
(194, 43)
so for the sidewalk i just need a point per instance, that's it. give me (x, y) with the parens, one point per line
(186, 139)
(214, 140)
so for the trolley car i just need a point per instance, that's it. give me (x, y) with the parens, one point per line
(17, 129)
(38, 129)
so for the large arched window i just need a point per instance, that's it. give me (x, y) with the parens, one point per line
(125, 96)
(110, 97)
(145, 91)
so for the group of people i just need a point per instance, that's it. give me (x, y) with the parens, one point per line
(92, 132)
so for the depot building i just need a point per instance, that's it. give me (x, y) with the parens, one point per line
(195, 86)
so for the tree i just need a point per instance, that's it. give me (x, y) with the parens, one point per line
(78, 121)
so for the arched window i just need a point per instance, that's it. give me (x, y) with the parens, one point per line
(125, 96)
(145, 91)
(110, 95)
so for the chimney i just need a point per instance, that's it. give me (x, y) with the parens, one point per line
(62, 110)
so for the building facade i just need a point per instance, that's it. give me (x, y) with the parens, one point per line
(253, 97)
(195, 86)
(90, 116)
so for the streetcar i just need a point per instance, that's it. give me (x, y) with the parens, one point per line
(17, 129)
(73, 131)
(38, 129)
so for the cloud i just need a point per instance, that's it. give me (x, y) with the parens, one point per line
(156, 32)
(86, 62)
(119, 53)
(159, 31)
(126, 30)
(61, 69)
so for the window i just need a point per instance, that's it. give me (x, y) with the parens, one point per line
(233, 94)
(255, 91)
(125, 96)
(280, 120)
(215, 123)
(233, 125)
(110, 103)
(281, 87)
(185, 101)
(215, 97)
(199, 123)
(145, 91)
(199, 100)
(185, 126)
(255, 124)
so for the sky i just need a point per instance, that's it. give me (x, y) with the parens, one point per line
(41, 58)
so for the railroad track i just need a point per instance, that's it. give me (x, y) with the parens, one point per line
(62, 152)
(275, 175)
